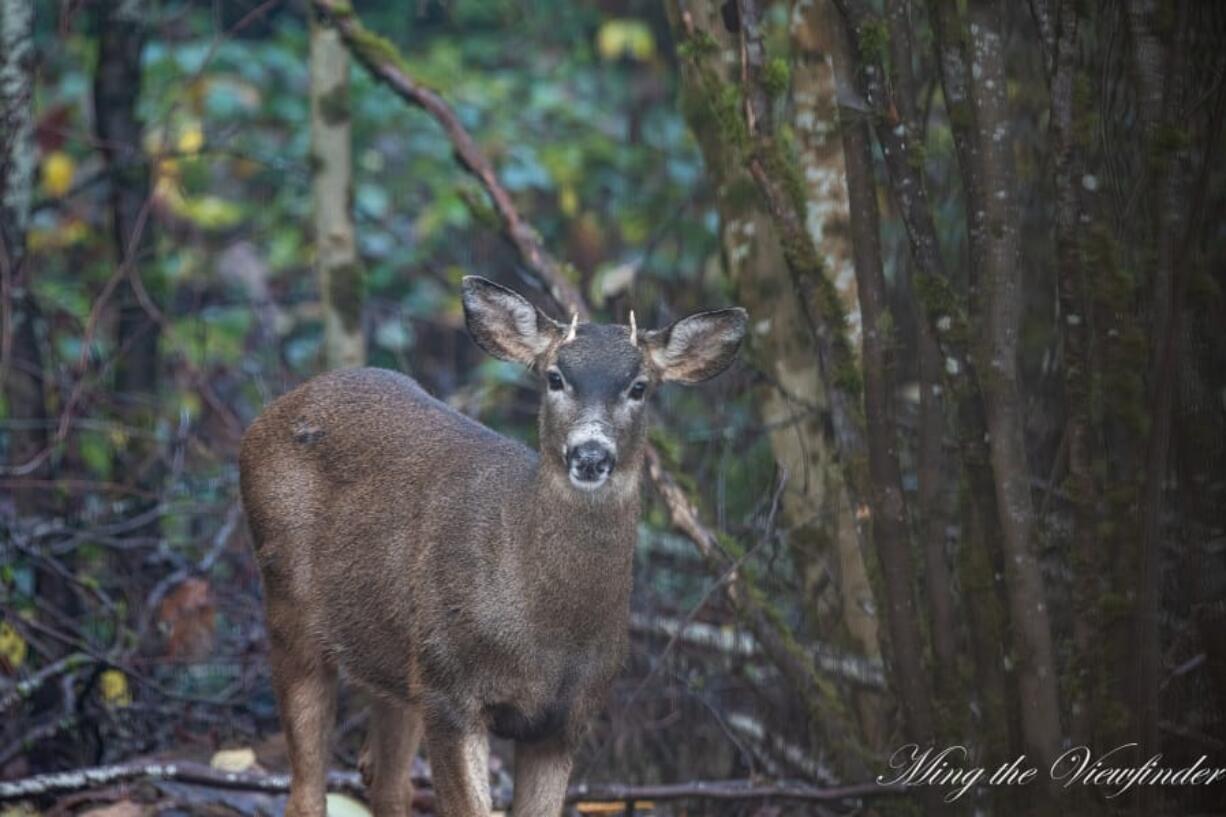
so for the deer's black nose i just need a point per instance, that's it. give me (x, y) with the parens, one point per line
(589, 461)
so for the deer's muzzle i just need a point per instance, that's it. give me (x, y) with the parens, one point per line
(590, 464)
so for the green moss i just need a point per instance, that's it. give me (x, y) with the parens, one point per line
(776, 76)
(944, 308)
(479, 207)
(370, 47)
(874, 37)
(699, 45)
(961, 116)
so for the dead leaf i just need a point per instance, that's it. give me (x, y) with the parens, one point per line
(234, 760)
(187, 618)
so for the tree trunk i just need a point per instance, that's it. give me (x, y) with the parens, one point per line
(747, 138)
(336, 259)
(819, 521)
(1167, 156)
(1036, 674)
(21, 366)
(1068, 135)
(117, 84)
(932, 500)
(815, 122)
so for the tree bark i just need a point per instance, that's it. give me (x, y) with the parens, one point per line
(1036, 674)
(946, 312)
(21, 365)
(1160, 78)
(749, 139)
(932, 501)
(817, 514)
(117, 84)
(890, 523)
(1068, 152)
(336, 258)
(815, 122)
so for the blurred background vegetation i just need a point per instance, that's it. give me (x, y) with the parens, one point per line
(965, 487)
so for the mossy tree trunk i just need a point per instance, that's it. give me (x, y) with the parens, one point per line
(816, 511)
(869, 463)
(336, 259)
(994, 227)
(21, 364)
(820, 160)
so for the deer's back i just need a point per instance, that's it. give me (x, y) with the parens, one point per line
(360, 490)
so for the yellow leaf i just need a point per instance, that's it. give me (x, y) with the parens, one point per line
(58, 170)
(233, 760)
(12, 646)
(115, 691)
(191, 139)
(211, 212)
(625, 38)
(568, 201)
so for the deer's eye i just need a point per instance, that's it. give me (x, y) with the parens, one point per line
(638, 390)
(555, 381)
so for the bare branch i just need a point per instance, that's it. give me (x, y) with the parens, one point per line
(385, 64)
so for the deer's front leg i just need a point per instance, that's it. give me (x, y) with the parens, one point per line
(459, 763)
(387, 758)
(542, 770)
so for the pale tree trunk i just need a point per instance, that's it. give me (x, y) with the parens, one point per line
(21, 367)
(1002, 283)
(336, 260)
(820, 154)
(869, 466)
(816, 510)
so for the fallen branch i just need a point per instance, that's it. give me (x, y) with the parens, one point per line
(350, 783)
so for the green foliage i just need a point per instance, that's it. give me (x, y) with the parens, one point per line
(776, 75)
(874, 39)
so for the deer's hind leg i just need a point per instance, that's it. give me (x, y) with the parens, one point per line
(305, 683)
(387, 758)
(542, 770)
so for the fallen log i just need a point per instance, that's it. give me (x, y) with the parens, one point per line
(57, 783)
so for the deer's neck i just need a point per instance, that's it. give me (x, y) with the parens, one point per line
(584, 529)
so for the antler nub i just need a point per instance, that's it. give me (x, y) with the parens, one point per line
(634, 330)
(574, 325)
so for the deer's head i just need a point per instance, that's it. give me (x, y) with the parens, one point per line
(596, 378)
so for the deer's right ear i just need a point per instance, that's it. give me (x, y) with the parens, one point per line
(504, 323)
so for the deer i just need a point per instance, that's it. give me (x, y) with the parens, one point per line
(466, 583)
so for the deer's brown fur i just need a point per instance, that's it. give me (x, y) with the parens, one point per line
(465, 580)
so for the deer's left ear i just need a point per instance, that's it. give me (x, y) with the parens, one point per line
(696, 348)
(504, 323)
